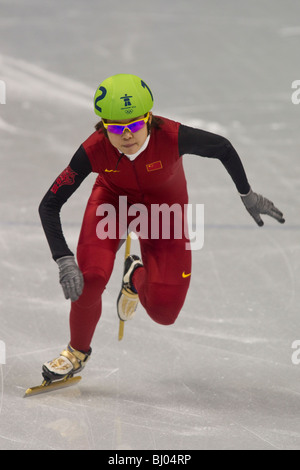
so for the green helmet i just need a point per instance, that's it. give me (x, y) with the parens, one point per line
(122, 96)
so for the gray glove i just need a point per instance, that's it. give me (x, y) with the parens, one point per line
(70, 277)
(257, 204)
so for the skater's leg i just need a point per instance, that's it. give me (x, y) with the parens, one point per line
(163, 282)
(96, 265)
(95, 258)
(85, 312)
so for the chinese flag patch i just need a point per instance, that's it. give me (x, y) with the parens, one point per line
(154, 166)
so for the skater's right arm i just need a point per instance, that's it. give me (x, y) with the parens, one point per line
(70, 276)
(57, 195)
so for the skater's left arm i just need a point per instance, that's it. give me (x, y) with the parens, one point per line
(207, 144)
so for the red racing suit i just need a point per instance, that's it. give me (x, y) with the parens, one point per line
(155, 176)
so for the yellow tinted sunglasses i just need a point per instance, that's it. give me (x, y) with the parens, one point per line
(133, 126)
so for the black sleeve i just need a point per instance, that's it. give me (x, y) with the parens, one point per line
(207, 144)
(60, 191)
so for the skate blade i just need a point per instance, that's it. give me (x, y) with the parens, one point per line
(56, 385)
(121, 330)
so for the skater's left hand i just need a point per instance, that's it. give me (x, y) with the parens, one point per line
(257, 204)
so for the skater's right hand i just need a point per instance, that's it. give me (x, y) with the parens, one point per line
(70, 277)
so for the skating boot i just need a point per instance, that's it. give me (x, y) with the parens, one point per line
(128, 298)
(59, 372)
(69, 362)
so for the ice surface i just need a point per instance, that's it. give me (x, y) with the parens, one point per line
(222, 377)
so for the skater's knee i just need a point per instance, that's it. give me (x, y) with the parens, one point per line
(163, 310)
(163, 305)
(163, 318)
(94, 285)
(93, 275)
